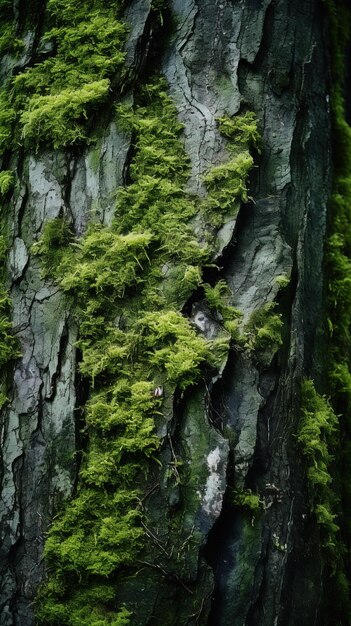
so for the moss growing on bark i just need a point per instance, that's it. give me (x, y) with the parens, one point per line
(6, 182)
(246, 500)
(218, 300)
(9, 42)
(241, 128)
(128, 283)
(263, 332)
(339, 300)
(51, 100)
(8, 342)
(318, 426)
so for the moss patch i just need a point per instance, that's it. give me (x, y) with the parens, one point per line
(51, 100)
(318, 427)
(263, 333)
(339, 269)
(128, 283)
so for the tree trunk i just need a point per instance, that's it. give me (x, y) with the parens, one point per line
(207, 555)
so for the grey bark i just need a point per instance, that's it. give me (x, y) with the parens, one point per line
(224, 55)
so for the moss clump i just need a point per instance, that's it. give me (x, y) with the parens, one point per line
(7, 120)
(218, 300)
(53, 243)
(52, 100)
(241, 128)
(6, 182)
(245, 499)
(9, 349)
(8, 342)
(318, 426)
(61, 116)
(87, 607)
(227, 183)
(283, 281)
(263, 332)
(9, 42)
(227, 186)
(105, 263)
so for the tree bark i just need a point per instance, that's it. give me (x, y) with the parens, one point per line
(220, 57)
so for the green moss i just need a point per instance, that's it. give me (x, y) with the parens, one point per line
(6, 182)
(9, 348)
(227, 186)
(51, 101)
(245, 499)
(128, 282)
(60, 117)
(318, 426)
(218, 300)
(53, 244)
(9, 42)
(282, 281)
(8, 342)
(227, 183)
(105, 263)
(241, 128)
(7, 120)
(86, 608)
(263, 332)
(339, 307)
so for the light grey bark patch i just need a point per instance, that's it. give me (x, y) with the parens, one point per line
(201, 68)
(97, 175)
(18, 258)
(261, 256)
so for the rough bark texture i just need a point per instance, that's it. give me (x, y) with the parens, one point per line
(223, 55)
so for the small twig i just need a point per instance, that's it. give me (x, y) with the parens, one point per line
(175, 460)
(209, 408)
(167, 574)
(148, 531)
(186, 540)
(149, 493)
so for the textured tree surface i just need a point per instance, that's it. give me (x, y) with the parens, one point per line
(207, 556)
